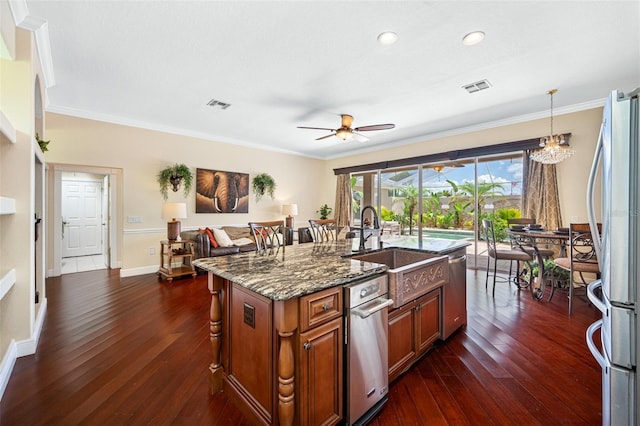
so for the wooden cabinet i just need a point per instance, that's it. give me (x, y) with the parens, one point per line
(413, 328)
(283, 360)
(176, 259)
(320, 374)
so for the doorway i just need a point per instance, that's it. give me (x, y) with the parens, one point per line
(84, 222)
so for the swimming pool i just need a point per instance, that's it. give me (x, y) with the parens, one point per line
(447, 234)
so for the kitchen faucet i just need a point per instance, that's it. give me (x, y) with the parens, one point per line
(376, 225)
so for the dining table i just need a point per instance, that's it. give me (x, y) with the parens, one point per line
(534, 238)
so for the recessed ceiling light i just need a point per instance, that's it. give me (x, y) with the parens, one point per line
(472, 38)
(387, 37)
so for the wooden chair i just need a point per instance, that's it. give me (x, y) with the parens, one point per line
(323, 230)
(501, 254)
(582, 258)
(268, 235)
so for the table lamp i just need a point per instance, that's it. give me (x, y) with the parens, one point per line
(174, 211)
(290, 210)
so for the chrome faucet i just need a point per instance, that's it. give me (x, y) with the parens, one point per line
(376, 225)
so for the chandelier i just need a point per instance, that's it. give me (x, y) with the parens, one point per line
(553, 148)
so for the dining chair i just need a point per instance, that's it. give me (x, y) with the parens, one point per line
(582, 259)
(323, 230)
(268, 235)
(510, 254)
(521, 221)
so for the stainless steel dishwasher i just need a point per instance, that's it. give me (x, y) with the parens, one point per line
(366, 354)
(454, 294)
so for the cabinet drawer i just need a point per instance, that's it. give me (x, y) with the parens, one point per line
(320, 307)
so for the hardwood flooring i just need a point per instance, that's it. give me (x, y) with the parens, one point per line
(135, 351)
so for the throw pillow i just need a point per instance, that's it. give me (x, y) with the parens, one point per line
(222, 238)
(212, 239)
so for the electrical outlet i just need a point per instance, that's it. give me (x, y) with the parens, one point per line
(134, 219)
(152, 251)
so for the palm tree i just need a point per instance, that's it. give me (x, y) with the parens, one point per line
(485, 190)
(409, 197)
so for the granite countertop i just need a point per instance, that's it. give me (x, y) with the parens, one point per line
(302, 269)
(295, 271)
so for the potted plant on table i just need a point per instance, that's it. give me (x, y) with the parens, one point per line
(324, 211)
(174, 176)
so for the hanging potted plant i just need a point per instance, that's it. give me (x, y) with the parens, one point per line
(174, 176)
(43, 144)
(263, 183)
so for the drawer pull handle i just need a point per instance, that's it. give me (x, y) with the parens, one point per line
(325, 307)
(307, 346)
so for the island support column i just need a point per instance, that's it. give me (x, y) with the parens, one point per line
(215, 284)
(286, 322)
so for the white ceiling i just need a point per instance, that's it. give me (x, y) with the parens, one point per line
(283, 64)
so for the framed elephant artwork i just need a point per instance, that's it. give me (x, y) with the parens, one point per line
(221, 192)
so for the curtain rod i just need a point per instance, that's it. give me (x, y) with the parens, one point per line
(522, 145)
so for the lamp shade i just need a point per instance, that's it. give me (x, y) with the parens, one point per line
(290, 209)
(174, 210)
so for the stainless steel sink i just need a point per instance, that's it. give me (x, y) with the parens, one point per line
(411, 273)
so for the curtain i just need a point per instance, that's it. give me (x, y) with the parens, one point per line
(540, 198)
(342, 212)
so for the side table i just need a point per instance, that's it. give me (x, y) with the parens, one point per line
(172, 252)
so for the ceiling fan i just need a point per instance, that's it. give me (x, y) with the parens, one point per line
(345, 132)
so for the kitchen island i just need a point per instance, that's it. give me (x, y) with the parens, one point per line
(276, 327)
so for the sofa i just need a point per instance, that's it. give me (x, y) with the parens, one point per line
(203, 246)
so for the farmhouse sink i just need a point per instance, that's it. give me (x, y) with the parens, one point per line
(411, 273)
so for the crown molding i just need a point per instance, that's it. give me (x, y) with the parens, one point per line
(123, 121)
(40, 29)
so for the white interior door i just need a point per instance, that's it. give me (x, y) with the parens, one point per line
(81, 217)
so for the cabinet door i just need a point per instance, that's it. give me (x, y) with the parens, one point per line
(428, 320)
(320, 401)
(402, 332)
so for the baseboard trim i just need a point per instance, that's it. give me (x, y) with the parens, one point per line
(21, 348)
(138, 271)
(6, 367)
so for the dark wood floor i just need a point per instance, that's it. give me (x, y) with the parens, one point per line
(135, 351)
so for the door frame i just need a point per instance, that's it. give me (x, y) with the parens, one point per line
(113, 244)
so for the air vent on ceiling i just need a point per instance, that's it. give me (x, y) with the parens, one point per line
(477, 86)
(215, 102)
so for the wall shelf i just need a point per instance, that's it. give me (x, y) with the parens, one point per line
(7, 129)
(6, 282)
(7, 205)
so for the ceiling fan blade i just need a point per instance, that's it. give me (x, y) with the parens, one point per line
(375, 127)
(316, 128)
(328, 136)
(360, 138)
(347, 120)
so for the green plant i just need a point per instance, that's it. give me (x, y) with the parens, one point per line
(174, 176)
(43, 144)
(324, 211)
(263, 183)
(550, 270)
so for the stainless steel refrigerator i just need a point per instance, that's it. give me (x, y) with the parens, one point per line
(618, 250)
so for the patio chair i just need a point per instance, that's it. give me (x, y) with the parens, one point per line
(582, 259)
(513, 254)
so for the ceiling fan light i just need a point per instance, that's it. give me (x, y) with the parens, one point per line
(344, 134)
